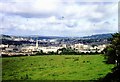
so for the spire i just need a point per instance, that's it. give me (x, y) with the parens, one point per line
(36, 43)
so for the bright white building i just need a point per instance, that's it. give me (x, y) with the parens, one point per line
(3, 46)
(49, 49)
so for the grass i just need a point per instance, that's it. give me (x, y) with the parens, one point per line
(55, 67)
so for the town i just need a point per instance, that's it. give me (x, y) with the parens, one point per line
(51, 45)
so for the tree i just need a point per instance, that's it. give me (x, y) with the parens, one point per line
(110, 55)
(67, 51)
(40, 52)
(116, 44)
(113, 56)
(113, 50)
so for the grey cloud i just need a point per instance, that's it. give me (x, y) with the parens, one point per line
(33, 15)
(30, 20)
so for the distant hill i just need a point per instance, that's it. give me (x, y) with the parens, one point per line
(44, 37)
(34, 37)
(93, 39)
(99, 36)
(4, 36)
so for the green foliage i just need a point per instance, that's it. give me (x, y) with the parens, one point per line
(113, 50)
(67, 51)
(110, 55)
(113, 56)
(55, 67)
(39, 53)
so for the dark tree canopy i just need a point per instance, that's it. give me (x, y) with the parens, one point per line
(112, 54)
(113, 50)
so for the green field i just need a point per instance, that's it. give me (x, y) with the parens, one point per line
(55, 67)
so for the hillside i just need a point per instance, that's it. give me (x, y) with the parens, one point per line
(93, 39)
(99, 36)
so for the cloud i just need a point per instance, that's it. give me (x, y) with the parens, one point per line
(57, 17)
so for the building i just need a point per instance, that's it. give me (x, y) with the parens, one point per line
(49, 49)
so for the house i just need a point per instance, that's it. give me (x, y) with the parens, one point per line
(28, 49)
(49, 49)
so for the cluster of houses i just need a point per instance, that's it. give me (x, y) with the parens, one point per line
(89, 48)
(23, 50)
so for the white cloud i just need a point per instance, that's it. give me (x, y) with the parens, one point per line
(56, 17)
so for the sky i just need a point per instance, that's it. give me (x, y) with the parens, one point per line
(58, 17)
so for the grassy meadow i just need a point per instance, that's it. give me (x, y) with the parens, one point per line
(55, 67)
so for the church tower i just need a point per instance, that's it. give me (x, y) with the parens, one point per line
(36, 43)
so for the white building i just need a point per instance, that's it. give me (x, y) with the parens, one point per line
(3, 46)
(49, 49)
(30, 48)
(88, 48)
